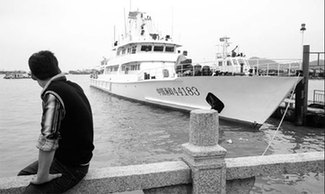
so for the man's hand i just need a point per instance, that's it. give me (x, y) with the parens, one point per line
(40, 180)
(45, 159)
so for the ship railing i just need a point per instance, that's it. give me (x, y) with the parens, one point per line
(275, 67)
(156, 73)
(195, 69)
(280, 67)
(258, 67)
(185, 69)
(316, 70)
(318, 97)
(288, 67)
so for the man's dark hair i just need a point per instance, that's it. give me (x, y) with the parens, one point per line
(43, 65)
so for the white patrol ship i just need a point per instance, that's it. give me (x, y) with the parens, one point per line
(147, 66)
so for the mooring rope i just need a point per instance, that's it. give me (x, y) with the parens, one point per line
(284, 114)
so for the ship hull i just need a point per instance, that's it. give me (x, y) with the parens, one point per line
(246, 99)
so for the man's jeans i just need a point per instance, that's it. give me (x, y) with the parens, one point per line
(70, 177)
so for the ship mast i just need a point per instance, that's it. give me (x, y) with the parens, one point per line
(224, 46)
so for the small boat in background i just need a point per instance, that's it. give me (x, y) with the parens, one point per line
(17, 76)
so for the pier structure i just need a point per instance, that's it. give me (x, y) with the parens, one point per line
(202, 169)
(301, 99)
(302, 90)
(304, 110)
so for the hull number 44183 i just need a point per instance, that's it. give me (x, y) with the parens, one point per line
(179, 91)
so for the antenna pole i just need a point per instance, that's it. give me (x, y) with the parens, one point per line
(172, 21)
(125, 31)
(114, 34)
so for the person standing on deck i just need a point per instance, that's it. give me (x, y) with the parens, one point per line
(66, 140)
(179, 66)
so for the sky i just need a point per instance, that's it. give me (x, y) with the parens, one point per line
(81, 32)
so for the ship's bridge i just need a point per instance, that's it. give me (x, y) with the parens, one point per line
(145, 51)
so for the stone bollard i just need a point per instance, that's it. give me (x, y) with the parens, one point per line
(203, 154)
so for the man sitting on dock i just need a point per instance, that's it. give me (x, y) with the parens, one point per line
(66, 140)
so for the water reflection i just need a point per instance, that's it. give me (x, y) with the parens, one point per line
(294, 139)
(290, 183)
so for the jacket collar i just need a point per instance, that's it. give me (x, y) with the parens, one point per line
(58, 77)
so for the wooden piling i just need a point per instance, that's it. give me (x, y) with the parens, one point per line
(302, 90)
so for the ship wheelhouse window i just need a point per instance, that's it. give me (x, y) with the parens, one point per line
(107, 69)
(123, 51)
(115, 68)
(235, 62)
(130, 67)
(170, 49)
(158, 48)
(241, 61)
(135, 67)
(111, 68)
(220, 63)
(134, 49)
(146, 48)
(228, 63)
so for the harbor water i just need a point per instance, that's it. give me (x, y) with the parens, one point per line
(128, 132)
